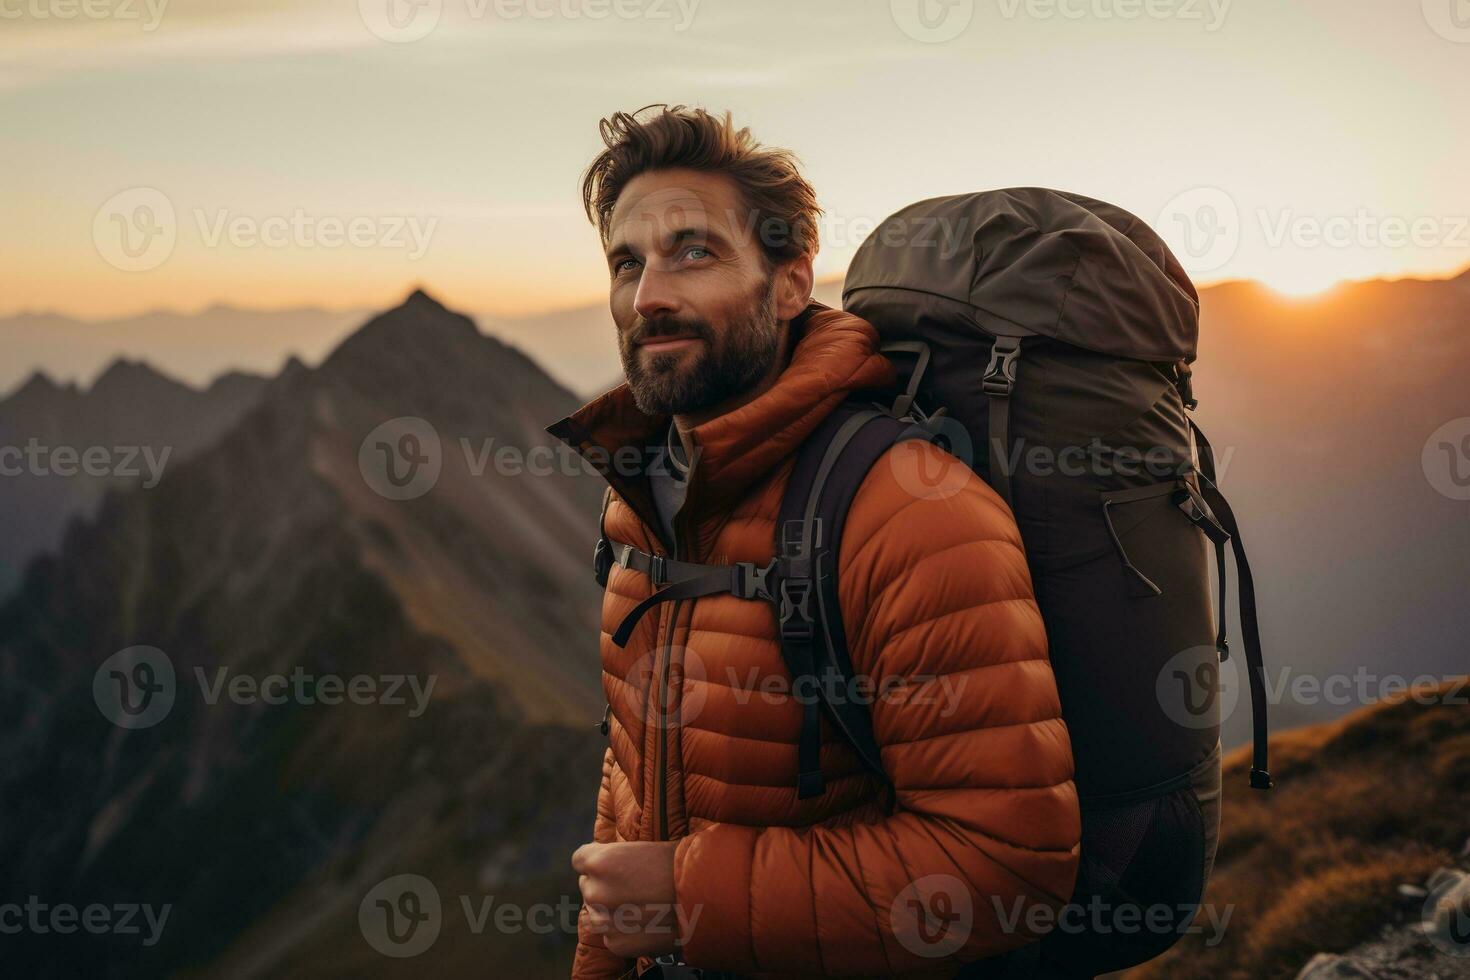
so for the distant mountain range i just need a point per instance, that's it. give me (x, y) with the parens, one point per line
(576, 346)
(128, 429)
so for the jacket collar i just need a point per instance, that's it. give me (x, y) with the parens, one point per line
(835, 354)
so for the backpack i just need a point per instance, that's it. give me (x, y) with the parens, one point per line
(1045, 339)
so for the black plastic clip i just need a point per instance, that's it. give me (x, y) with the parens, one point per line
(796, 617)
(752, 581)
(602, 561)
(1000, 373)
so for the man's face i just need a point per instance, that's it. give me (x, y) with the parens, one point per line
(695, 304)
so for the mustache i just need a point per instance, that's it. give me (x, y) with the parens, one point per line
(668, 327)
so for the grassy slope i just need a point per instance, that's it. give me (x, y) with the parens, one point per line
(1361, 804)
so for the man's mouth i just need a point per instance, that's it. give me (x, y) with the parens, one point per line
(659, 345)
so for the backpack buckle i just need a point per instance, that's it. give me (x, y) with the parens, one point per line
(1184, 384)
(752, 581)
(658, 569)
(796, 617)
(1000, 374)
(602, 561)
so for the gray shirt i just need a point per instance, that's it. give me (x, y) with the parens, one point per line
(668, 478)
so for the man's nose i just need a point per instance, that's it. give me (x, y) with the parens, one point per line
(656, 294)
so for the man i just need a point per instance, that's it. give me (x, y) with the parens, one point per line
(702, 848)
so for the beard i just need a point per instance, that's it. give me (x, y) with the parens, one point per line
(730, 361)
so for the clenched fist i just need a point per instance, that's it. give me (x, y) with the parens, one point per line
(628, 895)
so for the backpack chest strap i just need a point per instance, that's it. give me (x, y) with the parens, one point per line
(686, 580)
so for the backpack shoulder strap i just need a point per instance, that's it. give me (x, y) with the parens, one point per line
(830, 467)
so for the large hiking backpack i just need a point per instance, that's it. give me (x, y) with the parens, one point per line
(1045, 339)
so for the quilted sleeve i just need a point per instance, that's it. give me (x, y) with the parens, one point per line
(935, 590)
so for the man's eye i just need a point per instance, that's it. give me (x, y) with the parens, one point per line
(625, 265)
(697, 252)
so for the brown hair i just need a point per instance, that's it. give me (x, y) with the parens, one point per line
(782, 206)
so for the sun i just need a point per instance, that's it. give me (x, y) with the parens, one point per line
(1302, 284)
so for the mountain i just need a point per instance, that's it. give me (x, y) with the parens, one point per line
(461, 606)
(1316, 865)
(193, 346)
(66, 446)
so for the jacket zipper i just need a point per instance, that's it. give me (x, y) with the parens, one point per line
(661, 748)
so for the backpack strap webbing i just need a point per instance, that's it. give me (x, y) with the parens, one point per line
(998, 382)
(830, 467)
(1249, 624)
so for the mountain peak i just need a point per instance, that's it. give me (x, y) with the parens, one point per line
(421, 298)
(131, 379)
(39, 386)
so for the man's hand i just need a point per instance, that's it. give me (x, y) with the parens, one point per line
(628, 895)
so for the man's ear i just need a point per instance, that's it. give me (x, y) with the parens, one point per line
(793, 286)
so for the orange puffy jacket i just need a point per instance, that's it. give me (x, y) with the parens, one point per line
(935, 593)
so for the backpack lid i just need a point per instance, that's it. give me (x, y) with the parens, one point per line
(1025, 261)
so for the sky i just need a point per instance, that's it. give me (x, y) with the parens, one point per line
(276, 153)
